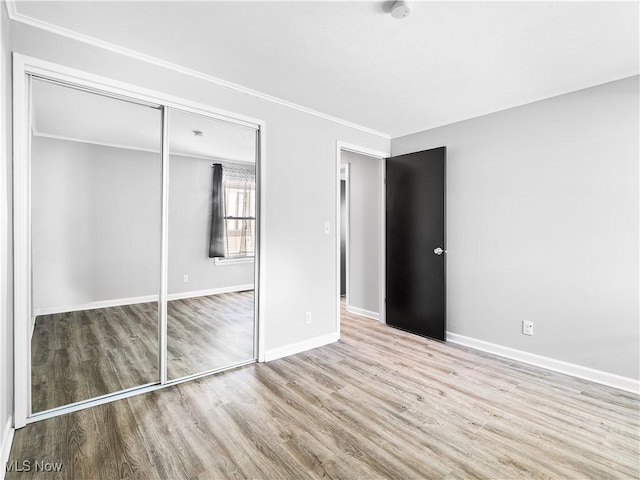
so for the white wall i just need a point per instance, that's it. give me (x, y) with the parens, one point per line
(542, 225)
(365, 242)
(300, 177)
(190, 181)
(6, 261)
(96, 225)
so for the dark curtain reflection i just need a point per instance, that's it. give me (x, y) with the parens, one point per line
(216, 241)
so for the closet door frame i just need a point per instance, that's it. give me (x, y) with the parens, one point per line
(24, 68)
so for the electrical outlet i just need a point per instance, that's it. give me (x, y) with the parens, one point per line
(185, 278)
(307, 318)
(527, 327)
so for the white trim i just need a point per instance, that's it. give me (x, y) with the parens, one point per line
(21, 242)
(131, 392)
(362, 312)
(383, 243)
(15, 16)
(223, 160)
(597, 376)
(163, 287)
(380, 155)
(55, 136)
(344, 172)
(369, 152)
(119, 302)
(211, 291)
(116, 302)
(5, 446)
(337, 232)
(23, 67)
(232, 261)
(259, 264)
(5, 72)
(299, 347)
(128, 91)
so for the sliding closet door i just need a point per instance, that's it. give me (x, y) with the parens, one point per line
(211, 244)
(95, 224)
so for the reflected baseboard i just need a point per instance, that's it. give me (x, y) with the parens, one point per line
(118, 302)
(211, 291)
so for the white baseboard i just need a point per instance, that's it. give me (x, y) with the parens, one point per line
(5, 447)
(300, 347)
(211, 291)
(363, 312)
(597, 376)
(118, 302)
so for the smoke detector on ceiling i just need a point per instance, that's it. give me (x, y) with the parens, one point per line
(400, 9)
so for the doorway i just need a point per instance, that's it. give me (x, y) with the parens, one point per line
(360, 242)
(344, 230)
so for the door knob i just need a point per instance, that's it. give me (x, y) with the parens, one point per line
(439, 251)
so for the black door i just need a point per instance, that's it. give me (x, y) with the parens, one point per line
(415, 243)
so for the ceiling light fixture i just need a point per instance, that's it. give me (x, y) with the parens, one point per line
(400, 9)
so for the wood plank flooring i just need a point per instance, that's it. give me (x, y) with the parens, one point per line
(380, 403)
(85, 354)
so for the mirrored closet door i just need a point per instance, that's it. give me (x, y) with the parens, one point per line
(140, 222)
(212, 240)
(96, 172)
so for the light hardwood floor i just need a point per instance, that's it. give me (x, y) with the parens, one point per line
(380, 403)
(80, 355)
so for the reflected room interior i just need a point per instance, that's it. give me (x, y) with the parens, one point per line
(96, 213)
(212, 220)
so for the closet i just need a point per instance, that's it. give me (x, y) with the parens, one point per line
(120, 197)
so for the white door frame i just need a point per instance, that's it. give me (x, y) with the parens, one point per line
(5, 209)
(382, 156)
(23, 68)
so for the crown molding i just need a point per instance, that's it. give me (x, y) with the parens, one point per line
(54, 136)
(11, 8)
(16, 16)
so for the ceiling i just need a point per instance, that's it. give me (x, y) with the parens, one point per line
(70, 114)
(446, 62)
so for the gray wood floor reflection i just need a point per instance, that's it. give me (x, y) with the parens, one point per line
(206, 333)
(81, 355)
